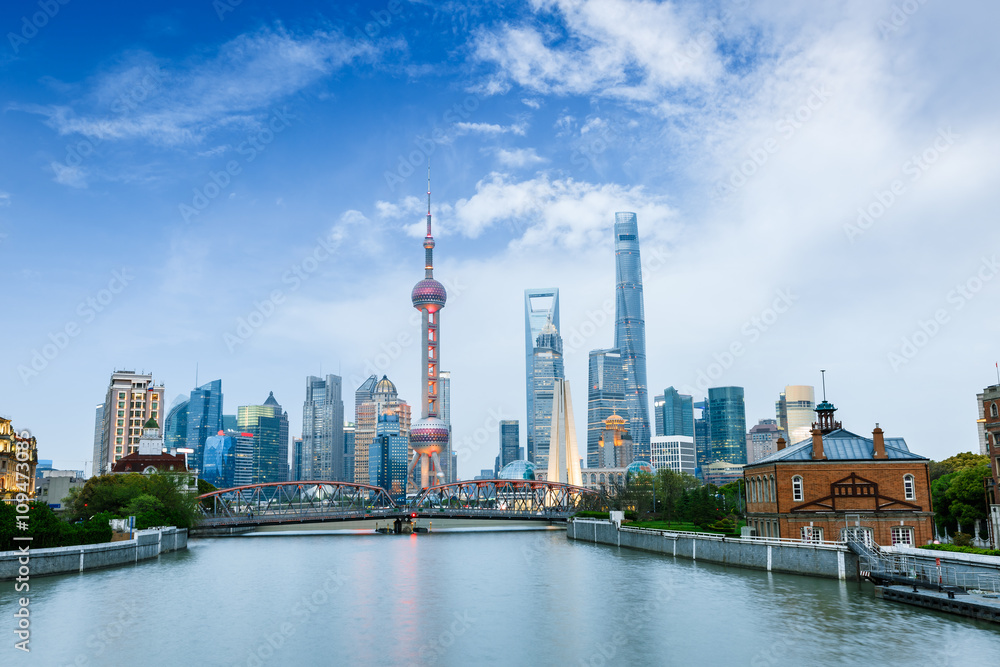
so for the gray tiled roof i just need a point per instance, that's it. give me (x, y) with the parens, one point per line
(842, 445)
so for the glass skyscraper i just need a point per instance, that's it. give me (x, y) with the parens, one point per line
(630, 329)
(175, 426)
(727, 424)
(510, 438)
(387, 460)
(702, 437)
(605, 397)
(547, 368)
(323, 429)
(228, 459)
(676, 413)
(540, 306)
(269, 426)
(204, 417)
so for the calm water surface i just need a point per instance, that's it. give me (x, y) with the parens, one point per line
(512, 598)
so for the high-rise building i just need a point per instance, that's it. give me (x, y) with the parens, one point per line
(562, 455)
(673, 452)
(387, 462)
(547, 371)
(794, 410)
(605, 396)
(297, 461)
(675, 413)
(989, 408)
(130, 401)
(228, 459)
(702, 437)
(98, 436)
(510, 438)
(323, 429)
(630, 329)
(374, 398)
(727, 425)
(269, 426)
(229, 422)
(540, 307)
(762, 440)
(445, 456)
(615, 448)
(204, 418)
(176, 424)
(349, 451)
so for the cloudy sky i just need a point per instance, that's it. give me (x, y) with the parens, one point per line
(241, 188)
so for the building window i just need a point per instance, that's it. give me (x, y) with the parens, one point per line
(993, 411)
(770, 485)
(797, 488)
(902, 535)
(812, 534)
(908, 490)
(602, 478)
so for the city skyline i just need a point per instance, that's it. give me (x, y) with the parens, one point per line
(747, 208)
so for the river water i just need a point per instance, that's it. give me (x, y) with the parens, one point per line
(470, 598)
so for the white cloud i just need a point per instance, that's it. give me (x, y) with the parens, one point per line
(534, 104)
(234, 88)
(519, 157)
(489, 129)
(75, 177)
(4, 198)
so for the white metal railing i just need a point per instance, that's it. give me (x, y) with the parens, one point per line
(779, 541)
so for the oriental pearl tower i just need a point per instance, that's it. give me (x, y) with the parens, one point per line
(429, 436)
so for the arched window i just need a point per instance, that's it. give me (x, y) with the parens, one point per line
(770, 485)
(753, 489)
(908, 490)
(993, 411)
(797, 488)
(593, 478)
(602, 478)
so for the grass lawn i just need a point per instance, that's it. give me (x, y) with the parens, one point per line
(679, 525)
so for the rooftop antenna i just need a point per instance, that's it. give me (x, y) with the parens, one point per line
(823, 373)
(997, 364)
(196, 375)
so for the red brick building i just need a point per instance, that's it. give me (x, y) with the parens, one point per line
(836, 481)
(991, 427)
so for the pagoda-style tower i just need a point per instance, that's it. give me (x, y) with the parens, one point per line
(429, 436)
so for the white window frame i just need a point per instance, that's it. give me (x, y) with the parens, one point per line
(898, 533)
(909, 487)
(811, 534)
(797, 489)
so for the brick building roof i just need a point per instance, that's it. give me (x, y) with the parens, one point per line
(842, 445)
(161, 462)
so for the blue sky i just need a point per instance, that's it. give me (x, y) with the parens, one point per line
(835, 158)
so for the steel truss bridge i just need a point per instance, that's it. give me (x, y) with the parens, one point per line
(277, 503)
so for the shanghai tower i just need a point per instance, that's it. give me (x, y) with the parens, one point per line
(630, 329)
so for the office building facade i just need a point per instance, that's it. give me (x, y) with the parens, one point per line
(547, 371)
(675, 413)
(373, 398)
(540, 307)
(727, 425)
(204, 419)
(510, 438)
(795, 412)
(762, 440)
(130, 401)
(387, 462)
(323, 429)
(673, 452)
(269, 426)
(605, 396)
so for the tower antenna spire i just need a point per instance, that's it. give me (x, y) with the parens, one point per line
(823, 373)
(428, 197)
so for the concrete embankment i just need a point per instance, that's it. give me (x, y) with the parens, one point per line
(834, 561)
(960, 563)
(62, 560)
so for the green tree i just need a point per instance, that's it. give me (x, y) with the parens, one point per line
(148, 511)
(205, 487)
(959, 498)
(670, 489)
(114, 493)
(955, 463)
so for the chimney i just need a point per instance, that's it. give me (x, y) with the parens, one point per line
(817, 435)
(879, 452)
(781, 442)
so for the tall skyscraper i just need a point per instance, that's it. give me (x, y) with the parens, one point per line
(98, 435)
(630, 329)
(674, 452)
(228, 459)
(615, 447)
(510, 438)
(702, 437)
(676, 413)
(445, 456)
(387, 459)
(269, 426)
(176, 424)
(563, 455)
(349, 451)
(372, 399)
(794, 409)
(540, 307)
(658, 415)
(297, 461)
(429, 437)
(727, 424)
(605, 397)
(130, 401)
(204, 418)
(547, 371)
(323, 429)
